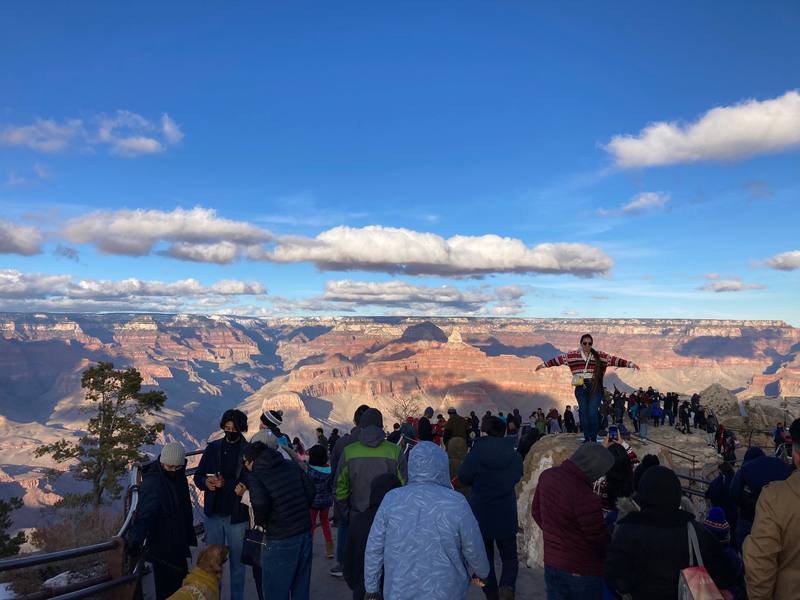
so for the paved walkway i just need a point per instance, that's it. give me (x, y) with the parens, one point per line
(530, 583)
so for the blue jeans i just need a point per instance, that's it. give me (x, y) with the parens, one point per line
(510, 562)
(286, 568)
(588, 405)
(219, 530)
(643, 428)
(341, 538)
(562, 585)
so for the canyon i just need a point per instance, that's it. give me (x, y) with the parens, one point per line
(319, 369)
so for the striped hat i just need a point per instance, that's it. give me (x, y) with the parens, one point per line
(717, 525)
(272, 418)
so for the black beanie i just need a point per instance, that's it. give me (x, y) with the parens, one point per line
(371, 416)
(659, 489)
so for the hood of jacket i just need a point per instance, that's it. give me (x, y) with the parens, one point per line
(380, 486)
(371, 436)
(268, 460)
(494, 452)
(457, 448)
(428, 463)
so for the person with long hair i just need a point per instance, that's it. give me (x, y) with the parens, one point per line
(588, 366)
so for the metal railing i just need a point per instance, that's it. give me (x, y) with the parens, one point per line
(115, 577)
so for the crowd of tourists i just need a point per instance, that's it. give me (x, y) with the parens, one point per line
(422, 512)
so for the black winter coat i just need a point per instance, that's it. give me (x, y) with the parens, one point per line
(164, 516)
(493, 468)
(281, 495)
(211, 462)
(424, 430)
(649, 550)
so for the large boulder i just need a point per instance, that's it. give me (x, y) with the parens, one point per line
(721, 400)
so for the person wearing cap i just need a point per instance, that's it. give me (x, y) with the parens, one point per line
(772, 550)
(220, 475)
(272, 420)
(163, 523)
(650, 546)
(571, 517)
(716, 523)
(456, 426)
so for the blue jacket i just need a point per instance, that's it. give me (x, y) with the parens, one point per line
(424, 536)
(211, 462)
(493, 468)
(750, 480)
(323, 483)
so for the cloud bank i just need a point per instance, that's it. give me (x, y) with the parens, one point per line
(19, 239)
(724, 133)
(786, 261)
(718, 284)
(396, 250)
(38, 291)
(124, 133)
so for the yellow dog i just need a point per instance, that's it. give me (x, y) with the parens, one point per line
(202, 582)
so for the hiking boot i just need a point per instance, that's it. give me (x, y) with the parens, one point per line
(506, 593)
(336, 570)
(329, 549)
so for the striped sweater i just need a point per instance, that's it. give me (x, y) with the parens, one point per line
(576, 361)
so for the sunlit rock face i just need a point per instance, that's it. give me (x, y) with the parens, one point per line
(319, 369)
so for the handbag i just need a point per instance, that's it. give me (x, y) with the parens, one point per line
(695, 583)
(253, 545)
(578, 378)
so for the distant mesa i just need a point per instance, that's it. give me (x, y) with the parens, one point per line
(423, 332)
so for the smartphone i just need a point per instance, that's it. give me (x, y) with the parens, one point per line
(613, 432)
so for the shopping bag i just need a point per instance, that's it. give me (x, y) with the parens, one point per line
(695, 583)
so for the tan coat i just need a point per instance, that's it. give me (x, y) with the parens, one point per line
(772, 550)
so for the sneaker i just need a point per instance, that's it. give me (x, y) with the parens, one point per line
(336, 570)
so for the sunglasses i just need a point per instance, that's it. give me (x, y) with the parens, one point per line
(586, 343)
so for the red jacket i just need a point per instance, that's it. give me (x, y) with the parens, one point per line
(571, 517)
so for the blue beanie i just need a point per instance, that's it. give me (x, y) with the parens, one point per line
(717, 525)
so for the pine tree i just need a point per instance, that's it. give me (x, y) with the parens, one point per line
(9, 546)
(114, 434)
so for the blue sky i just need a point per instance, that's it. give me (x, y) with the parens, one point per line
(299, 152)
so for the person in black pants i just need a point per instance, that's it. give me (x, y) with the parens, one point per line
(493, 468)
(164, 520)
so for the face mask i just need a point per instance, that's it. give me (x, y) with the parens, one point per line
(232, 436)
(170, 474)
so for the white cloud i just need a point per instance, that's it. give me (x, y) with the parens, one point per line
(125, 133)
(734, 132)
(639, 204)
(396, 250)
(44, 135)
(195, 234)
(400, 297)
(220, 253)
(172, 133)
(786, 261)
(39, 291)
(19, 239)
(733, 284)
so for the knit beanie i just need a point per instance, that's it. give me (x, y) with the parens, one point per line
(266, 437)
(659, 489)
(272, 418)
(593, 459)
(173, 455)
(717, 525)
(371, 416)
